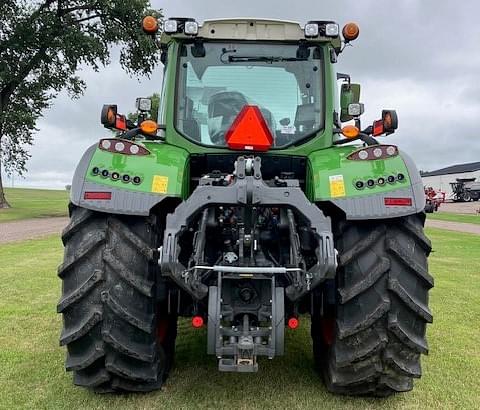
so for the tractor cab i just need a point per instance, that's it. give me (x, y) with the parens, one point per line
(274, 70)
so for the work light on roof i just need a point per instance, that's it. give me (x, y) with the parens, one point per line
(321, 28)
(171, 26)
(191, 28)
(311, 30)
(332, 30)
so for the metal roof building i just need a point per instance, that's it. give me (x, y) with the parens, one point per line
(441, 178)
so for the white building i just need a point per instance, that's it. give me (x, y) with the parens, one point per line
(440, 179)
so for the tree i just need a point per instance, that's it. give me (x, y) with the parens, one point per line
(43, 43)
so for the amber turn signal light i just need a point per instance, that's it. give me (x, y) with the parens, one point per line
(350, 32)
(350, 131)
(149, 127)
(150, 25)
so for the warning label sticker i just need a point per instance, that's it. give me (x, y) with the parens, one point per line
(160, 184)
(337, 186)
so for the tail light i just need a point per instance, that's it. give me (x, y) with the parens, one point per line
(97, 196)
(374, 152)
(119, 146)
(398, 201)
(293, 323)
(197, 321)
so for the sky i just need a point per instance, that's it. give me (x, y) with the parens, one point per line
(421, 58)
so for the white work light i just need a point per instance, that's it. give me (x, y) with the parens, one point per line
(311, 30)
(170, 27)
(332, 30)
(191, 28)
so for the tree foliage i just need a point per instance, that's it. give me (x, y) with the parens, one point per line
(43, 44)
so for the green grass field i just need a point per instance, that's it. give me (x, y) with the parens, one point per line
(31, 362)
(450, 216)
(34, 203)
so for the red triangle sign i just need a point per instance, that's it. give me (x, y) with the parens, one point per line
(249, 131)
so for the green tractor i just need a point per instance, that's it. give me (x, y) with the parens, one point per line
(246, 207)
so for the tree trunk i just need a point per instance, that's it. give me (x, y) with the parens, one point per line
(3, 201)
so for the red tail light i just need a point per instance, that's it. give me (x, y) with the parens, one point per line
(398, 201)
(249, 131)
(119, 146)
(95, 196)
(293, 323)
(378, 128)
(197, 321)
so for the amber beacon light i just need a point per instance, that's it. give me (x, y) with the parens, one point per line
(150, 25)
(350, 32)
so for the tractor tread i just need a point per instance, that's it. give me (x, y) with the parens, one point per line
(382, 309)
(84, 249)
(359, 347)
(77, 294)
(398, 328)
(361, 246)
(70, 335)
(349, 292)
(416, 306)
(128, 315)
(109, 303)
(370, 317)
(77, 221)
(134, 240)
(141, 285)
(121, 343)
(93, 377)
(81, 360)
(404, 256)
(131, 369)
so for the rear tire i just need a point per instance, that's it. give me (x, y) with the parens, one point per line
(381, 309)
(109, 303)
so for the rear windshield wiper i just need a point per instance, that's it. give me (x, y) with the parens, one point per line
(264, 59)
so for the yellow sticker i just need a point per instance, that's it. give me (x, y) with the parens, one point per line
(160, 184)
(337, 186)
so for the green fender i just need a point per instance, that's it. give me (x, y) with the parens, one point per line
(163, 174)
(332, 177)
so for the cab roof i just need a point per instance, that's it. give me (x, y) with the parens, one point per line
(249, 28)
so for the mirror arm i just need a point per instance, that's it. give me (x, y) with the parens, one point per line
(363, 136)
(131, 134)
(368, 139)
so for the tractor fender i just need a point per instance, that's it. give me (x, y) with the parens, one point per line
(123, 201)
(374, 206)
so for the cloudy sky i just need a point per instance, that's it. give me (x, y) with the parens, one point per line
(419, 57)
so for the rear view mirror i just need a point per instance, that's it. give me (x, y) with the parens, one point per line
(350, 94)
(108, 116)
(387, 125)
(390, 121)
(111, 119)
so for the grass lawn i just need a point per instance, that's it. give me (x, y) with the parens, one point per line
(34, 203)
(31, 362)
(450, 216)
